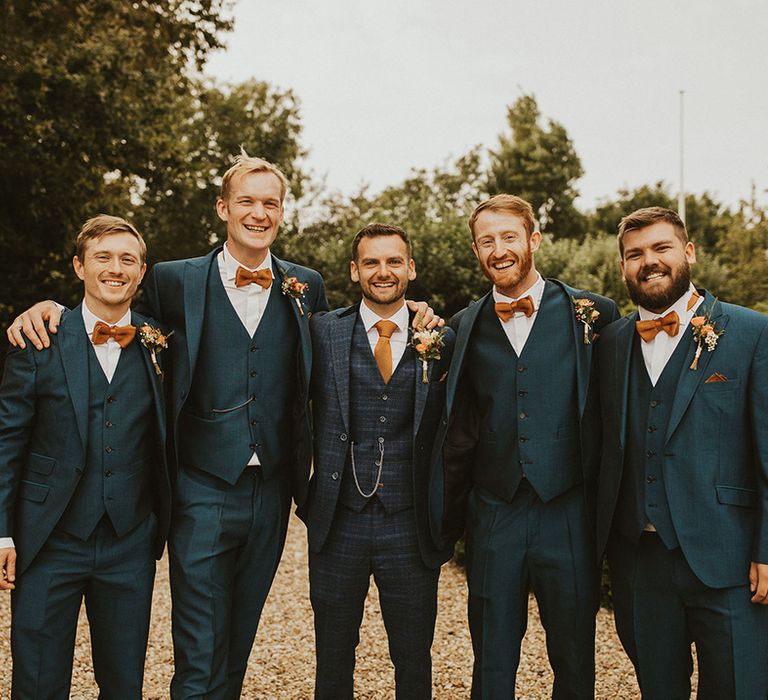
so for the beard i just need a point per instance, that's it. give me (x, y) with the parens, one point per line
(660, 299)
(507, 282)
(384, 296)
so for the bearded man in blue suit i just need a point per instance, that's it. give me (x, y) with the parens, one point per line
(84, 489)
(683, 497)
(522, 439)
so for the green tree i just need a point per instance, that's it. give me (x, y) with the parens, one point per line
(539, 164)
(90, 94)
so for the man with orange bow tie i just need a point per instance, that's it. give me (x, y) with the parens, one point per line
(522, 439)
(84, 488)
(683, 497)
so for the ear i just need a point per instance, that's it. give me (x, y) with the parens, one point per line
(143, 271)
(621, 265)
(535, 241)
(354, 274)
(411, 270)
(223, 210)
(474, 250)
(79, 271)
(690, 252)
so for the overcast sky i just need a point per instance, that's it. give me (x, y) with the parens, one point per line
(390, 85)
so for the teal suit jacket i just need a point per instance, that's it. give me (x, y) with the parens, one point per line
(175, 294)
(715, 457)
(454, 454)
(43, 436)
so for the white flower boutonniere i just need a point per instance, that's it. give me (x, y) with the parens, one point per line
(291, 287)
(155, 341)
(704, 333)
(587, 314)
(427, 345)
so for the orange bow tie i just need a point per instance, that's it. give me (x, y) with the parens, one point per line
(261, 277)
(648, 330)
(102, 332)
(506, 311)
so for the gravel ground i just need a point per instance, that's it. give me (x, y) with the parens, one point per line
(282, 661)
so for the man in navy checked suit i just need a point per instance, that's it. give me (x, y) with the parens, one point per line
(376, 407)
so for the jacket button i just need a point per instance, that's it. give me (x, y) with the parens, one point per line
(650, 479)
(655, 403)
(107, 473)
(110, 399)
(343, 437)
(521, 368)
(108, 450)
(523, 438)
(254, 421)
(523, 415)
(335, 476)
(254, 373)
(108, 423)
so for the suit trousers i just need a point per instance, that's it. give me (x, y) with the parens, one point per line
(224, 547)
(527, 544)
(661, 607)
(373, 542)
(115, 577)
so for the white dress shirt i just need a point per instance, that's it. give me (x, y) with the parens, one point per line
(249, 301)
(108, 355)
(399, 338)
(518, 328)
(656, 353)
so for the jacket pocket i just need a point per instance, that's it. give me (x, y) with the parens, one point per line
(735, 496)
(31, 491)
(40, 464)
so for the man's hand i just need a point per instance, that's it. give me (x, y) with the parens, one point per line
(425, 317)
(32, 324)
(758, 583)
(7, 568)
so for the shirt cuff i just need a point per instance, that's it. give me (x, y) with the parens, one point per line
(6, 542)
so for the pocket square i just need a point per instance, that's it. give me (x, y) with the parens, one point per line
(716, 377)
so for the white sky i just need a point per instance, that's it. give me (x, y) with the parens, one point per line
(388, 85)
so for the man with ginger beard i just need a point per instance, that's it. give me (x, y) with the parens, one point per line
(521, 456)
(683, 495)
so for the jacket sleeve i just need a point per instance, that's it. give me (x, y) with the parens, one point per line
(17, 414)
(758, 410)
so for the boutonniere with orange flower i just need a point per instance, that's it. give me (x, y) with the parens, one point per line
(291, 287)
(704, 333)
(587, 314)
(427, 345)
(155, 341)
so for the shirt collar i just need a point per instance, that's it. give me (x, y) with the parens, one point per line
(680, 307)
(90, 319)
(231, 263)
(535, 291)
(370, 318)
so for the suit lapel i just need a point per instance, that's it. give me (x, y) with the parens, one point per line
(583, 350)
(341, 347)
(621, 365)
(155, 380)
(283, 270)
(421, 389)
(462, 341)
(195, 294)
(74, 357)
(690, 379)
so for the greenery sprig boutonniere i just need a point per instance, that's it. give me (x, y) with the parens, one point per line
(704, 333)
(587, 314)
(427, 345)
(291, 287)
(155, 341)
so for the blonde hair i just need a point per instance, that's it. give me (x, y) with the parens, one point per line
(245, 164)
(105, 225)
(509, 203)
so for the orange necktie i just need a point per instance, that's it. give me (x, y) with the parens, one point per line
(692, 301)
(102, 332)
(506, 311)
(261, 277)
(382, 353)
(648, 330)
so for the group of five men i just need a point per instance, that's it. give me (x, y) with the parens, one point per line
(538, 425)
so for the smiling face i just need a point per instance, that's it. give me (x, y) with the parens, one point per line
(656, 265)
(111, 270)
(383, 269)
(505, 251)
(253, 211)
